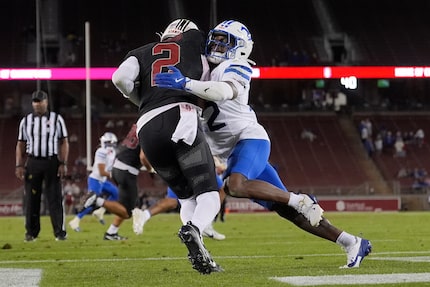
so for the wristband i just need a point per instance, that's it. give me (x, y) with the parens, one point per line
(63, 162)
(19, 165)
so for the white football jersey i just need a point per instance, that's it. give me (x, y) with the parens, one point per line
(103, 155)
(226, 122)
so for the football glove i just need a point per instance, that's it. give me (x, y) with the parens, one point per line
(172, 79)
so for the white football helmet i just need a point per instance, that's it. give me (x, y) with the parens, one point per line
(108, 139)
(177, 27)
(238, 42)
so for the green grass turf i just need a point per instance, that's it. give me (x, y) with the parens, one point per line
(258, 246)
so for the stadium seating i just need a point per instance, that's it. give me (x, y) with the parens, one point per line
(326, 162)
(8, 129)
(77, 136)
(387, 32)
(416, 157)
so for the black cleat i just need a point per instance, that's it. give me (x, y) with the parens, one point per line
(114, 236)
(61, 238)
(29, 238)
(199, 257)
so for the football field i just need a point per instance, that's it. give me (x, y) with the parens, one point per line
(261, 249)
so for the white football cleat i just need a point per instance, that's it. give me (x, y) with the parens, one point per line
(310, 208)
(139, 220)
(356, 253)
(212, 233)
(99, 213)
(74, 224)
(90, 199)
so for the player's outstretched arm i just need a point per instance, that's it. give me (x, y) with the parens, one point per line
(208, 90)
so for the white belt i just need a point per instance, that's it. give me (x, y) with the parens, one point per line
(122, 166)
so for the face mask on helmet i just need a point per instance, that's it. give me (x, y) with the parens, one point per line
(108, 139)
(228, 40)
(177, 27)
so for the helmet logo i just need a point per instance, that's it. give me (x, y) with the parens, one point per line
(177, 27)
(243, 28)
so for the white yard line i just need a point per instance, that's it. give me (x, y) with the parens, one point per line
(406, 259)
(14, 277)
(357, 279)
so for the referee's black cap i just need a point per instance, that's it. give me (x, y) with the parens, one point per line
(38, 96)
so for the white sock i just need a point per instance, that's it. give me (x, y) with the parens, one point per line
(187, 209)
(345, 239)
(100, 201)
(295, 199)
(208, 205)
(112, 229)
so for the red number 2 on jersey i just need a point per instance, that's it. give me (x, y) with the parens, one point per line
(173, 57)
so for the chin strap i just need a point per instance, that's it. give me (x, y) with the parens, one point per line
(251, 62)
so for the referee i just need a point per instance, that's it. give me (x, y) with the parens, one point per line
(42, 150)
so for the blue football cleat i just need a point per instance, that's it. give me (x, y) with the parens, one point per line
(357, 252)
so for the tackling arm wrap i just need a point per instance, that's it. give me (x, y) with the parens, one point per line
(211, 90)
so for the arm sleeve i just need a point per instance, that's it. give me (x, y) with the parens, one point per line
(210, 90)
(123, 78)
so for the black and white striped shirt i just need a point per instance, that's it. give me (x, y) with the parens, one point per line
(41, 133)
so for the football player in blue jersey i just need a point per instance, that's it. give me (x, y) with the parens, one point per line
(234, 134)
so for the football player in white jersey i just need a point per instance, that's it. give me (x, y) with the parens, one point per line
(234, 134)
(99, 180)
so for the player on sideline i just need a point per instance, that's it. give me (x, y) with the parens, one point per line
(234, 133)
